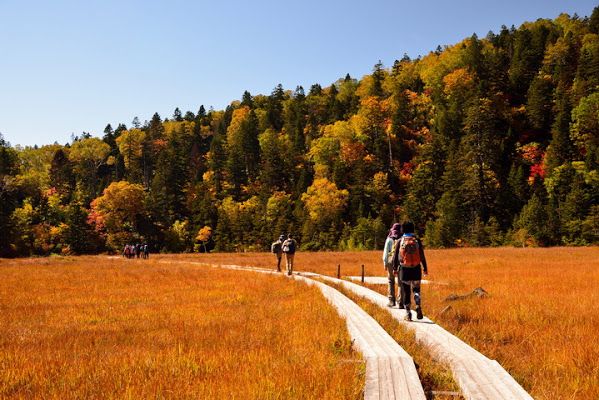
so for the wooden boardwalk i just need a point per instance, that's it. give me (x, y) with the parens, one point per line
(478, 376)
(390, 371)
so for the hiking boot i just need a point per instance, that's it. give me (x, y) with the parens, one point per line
(408, 316)
(391, 303)
(289, 273)
(401, 306)
(419, 313)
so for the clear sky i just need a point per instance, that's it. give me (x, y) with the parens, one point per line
(73, 66)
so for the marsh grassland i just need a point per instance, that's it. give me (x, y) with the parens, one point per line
(540, 320)
(99, 327)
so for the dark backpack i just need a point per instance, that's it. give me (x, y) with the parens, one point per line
(276, 247)
(289, 246)
(409, 251)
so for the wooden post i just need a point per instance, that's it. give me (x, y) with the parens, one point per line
(362, 273)
(338, 271)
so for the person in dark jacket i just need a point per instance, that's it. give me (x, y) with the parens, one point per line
(410, 259)
(277, 249)
(289, 247)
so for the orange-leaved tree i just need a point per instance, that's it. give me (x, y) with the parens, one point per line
(117, 213)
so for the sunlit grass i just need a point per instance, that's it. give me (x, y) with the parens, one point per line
(540, 321)
(95, 327)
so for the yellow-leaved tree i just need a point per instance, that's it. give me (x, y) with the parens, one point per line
(117, 212)
(204, 235)
(324, 202)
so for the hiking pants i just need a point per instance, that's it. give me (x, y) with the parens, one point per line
(289, 261)
(391, 289)
(279, 262)
(406, 288)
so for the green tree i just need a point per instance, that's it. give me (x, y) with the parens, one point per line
(584, 130)
(88, 155)
(61, 175)
(9, 197)
(539, 108)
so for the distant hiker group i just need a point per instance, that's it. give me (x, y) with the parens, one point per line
(285, 246)
(136, 251)
(403, 256)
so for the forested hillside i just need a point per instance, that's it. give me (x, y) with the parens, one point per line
(490, 141)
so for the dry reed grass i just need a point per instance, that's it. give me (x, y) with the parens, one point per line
(541, 320)
(98, 327)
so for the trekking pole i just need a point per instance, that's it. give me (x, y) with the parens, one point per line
(362, 273)
(338, 271)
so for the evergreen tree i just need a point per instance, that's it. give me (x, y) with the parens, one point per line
(274, 111)
(560, 149)
(532, 224)
(378, 76)
(594, 21)
(189, 116)
(539, 108)
(61, 175)
(201, 112)
(481, 142)
(177, 116)
(9, 198)
(247, 100)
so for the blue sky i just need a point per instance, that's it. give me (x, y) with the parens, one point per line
(73, 66)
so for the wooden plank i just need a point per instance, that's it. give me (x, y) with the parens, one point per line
(478, 376)
(391, 373)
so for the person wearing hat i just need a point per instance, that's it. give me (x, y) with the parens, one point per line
(277, 249)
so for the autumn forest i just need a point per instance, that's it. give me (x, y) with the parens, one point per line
(491, 141)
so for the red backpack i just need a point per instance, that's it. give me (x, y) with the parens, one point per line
(409, 252)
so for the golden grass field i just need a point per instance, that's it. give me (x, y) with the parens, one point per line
(100, 327)
(540, 321)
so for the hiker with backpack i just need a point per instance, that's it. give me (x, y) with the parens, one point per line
(277, 249)
(409, 258)
(388, 254)
(288, 248)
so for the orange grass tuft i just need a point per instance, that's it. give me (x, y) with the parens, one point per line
(541, 320)
(98, 327)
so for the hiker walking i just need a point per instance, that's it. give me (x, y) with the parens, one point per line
(388, 254)
(409, 256)
(277, 249)
(288, 248)
(146, 251)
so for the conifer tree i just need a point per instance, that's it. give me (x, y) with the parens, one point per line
(274, 109)
(560, 149)
(61, 175)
